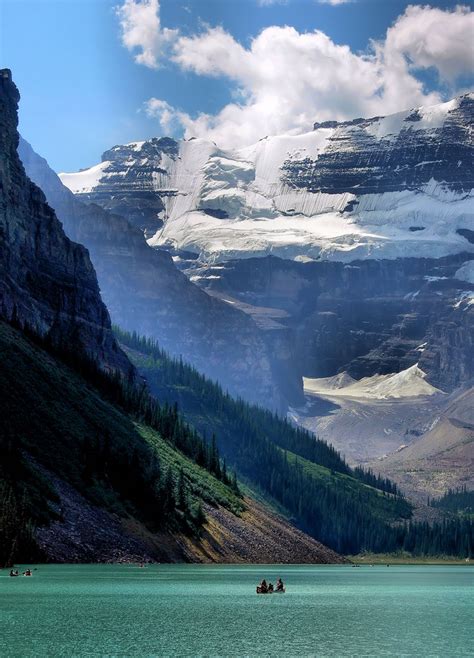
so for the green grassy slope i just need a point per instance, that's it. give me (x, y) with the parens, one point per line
(201, 484)
(385, 506)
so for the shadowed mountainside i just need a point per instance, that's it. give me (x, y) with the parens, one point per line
(47, 282)
(144, 291)
(96, 504)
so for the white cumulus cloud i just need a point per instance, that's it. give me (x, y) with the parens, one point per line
(168, 117)
(284, 79)
(142, 33)
(430, 37)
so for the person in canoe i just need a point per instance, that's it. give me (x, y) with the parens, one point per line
(263, 587)
(27, 572)
(270, 588)
(279, 586)
(14, 573)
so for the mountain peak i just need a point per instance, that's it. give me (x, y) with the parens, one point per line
(383, 187)
(406, 117)
(151, 148)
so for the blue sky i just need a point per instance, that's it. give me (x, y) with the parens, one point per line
(83, 91)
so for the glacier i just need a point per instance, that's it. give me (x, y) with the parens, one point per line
(386, 187)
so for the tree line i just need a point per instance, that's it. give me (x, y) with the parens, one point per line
(165, 371)
(259, 445)
(460, 500)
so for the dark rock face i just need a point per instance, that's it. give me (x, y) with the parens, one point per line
(356, 160)
(467, 233)
(129, 191)
(369, 317)
(449, 356)
(145, 292)
(47, 282)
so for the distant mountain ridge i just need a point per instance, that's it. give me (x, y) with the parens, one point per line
(387, 187)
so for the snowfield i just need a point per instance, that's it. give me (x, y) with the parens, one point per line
(86, 180)
(242, 203)
(407, 383)
(370, 418)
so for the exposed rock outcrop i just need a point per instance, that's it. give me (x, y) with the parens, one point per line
(366, 318)
(130, 191)
(449, 354)
(47, 282)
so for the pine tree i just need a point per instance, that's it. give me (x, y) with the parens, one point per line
(181, 495)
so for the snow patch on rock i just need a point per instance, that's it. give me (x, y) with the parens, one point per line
(86, 180)
(466, 272)
(407, 383)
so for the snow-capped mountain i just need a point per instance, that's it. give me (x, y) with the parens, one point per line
(372, 221)
(385, 187)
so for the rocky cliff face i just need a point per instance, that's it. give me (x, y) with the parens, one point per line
(47, 282)
(144, 291)
(382, 154)
(130, 191)
(449, 353)
(366, 318)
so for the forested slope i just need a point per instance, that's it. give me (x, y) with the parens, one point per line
(93, 469)
(349, 510)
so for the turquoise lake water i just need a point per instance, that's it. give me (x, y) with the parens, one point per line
(197, 610)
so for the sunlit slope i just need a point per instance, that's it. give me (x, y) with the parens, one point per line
(443, 457)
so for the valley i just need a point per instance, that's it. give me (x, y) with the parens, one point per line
(93, 468)
(236, 328)
(181, 433)
(350, 247)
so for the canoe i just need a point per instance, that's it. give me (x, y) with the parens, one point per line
(275, 591)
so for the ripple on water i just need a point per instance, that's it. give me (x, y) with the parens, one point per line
(207, 610)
